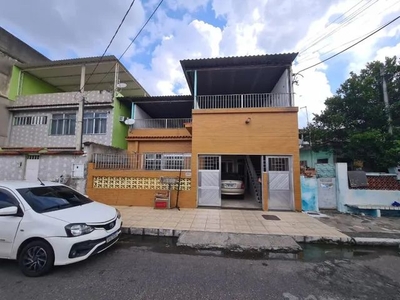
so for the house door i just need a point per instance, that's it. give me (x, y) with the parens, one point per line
(32, 167)
(209, 181)
(280, 173)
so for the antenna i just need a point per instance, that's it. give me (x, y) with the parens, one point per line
(122, 85)
(129, 121)
(41, 182)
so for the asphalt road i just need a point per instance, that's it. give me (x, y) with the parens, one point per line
(142, 271)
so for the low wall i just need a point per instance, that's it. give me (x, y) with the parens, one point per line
(135, 187)
(360, 196)
(309, 193)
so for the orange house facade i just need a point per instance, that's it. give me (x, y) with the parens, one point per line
(238, 128)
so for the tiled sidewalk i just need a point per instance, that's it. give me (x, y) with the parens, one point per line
(298, 225)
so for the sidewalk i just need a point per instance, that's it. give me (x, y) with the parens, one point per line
(299, 226)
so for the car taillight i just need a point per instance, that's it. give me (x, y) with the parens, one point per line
(242, 187)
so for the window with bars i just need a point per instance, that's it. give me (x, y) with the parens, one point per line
(209, 163)
(30, 120)
(278, 164)
(95, 123)
(167, 162)
(63, 124)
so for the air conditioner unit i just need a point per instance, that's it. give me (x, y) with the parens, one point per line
(122, 119)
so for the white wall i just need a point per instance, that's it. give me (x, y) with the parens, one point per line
(282, 86)
(345, 195)
(140, 114)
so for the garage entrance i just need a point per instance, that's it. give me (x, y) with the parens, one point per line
(240, 185)
(208, 181)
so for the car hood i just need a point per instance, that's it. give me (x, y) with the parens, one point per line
(90, 213)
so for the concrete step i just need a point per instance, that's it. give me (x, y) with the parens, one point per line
(238, 242)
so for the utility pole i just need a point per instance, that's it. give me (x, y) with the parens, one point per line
(309, 133)
(386, 100)
(79, 120)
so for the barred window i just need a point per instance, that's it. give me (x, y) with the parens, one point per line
(95, 123)
(152, 161)
(63, 124)
(167, 162)
(30, 120)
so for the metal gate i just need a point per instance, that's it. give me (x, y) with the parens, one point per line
(280, 190)
(209, 181)
(326, 193)
(32, 168)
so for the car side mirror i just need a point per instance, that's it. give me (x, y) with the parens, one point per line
(9, 211)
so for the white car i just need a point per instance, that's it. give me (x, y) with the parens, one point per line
(43, 224)
(232, 184)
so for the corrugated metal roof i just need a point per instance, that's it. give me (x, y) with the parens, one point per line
(150, 99)
(231, 61)
(70, 61)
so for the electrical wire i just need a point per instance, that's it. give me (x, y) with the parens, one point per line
(340, 52)
(131, 43)
(347, 21)
(332, 22)
(112, 39)
(310, 56)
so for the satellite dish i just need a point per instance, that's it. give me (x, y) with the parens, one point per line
(129, 121)
(121, 85)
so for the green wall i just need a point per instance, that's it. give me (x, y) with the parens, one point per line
(311, 161)
(120, 130)
(31, 85)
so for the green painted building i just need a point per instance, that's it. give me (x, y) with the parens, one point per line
(310, 158)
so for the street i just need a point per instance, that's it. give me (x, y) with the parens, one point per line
(136, 269)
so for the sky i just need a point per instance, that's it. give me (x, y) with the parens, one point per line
(185, 29)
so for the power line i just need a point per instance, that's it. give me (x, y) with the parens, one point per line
(131, 43)
(347, 21)
(371, 34)
(112, 39)
(310, 56)
(330, 23)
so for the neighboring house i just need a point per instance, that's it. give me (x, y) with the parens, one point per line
(240, 119)
(46, 116)
(309, 158)
(12, 51)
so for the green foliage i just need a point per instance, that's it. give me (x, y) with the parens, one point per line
(355, 120)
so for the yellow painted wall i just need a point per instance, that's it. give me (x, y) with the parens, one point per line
(271, 131)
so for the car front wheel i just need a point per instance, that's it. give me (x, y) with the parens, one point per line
(36, 259)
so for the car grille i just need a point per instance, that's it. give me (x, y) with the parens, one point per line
(107, 226)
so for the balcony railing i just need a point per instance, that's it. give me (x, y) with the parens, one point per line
(143, 161)
(243, 101)
(160, 123)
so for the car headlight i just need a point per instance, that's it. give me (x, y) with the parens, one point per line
(118, 214)
(78, 229)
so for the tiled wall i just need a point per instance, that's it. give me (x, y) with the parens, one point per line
(51, 167)
(39, 135)
(63, 98)
(12, 167)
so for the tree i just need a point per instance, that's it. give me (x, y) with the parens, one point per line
(355, 121)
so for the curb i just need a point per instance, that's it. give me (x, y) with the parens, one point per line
(376, 242)
(177, 233)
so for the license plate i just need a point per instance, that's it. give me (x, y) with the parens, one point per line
(230, 185)
(112, 237)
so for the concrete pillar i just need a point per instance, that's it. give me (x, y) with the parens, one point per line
(79, 120)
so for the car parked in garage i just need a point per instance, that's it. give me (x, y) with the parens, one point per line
(232, 184)
(43, 224)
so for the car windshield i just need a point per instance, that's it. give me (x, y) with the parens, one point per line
(50, 198)
(230, 176)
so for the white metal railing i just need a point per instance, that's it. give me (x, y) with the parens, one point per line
(143, 161)
(160, 123)
(243, 101)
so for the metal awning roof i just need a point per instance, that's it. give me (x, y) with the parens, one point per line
(66, 74)
(236, 75)
(161, 107)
